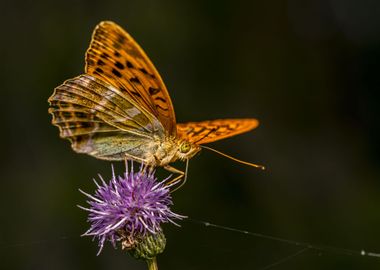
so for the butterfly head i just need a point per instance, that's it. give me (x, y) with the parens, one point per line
(186, 150)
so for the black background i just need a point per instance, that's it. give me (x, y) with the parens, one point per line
(308, 70)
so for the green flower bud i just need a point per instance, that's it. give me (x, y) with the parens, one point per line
(148, 246)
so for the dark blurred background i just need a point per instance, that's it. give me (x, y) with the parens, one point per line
(308, 70)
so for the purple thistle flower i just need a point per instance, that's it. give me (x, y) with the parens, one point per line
(129, 208)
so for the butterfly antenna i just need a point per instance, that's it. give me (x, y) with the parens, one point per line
(235, 159)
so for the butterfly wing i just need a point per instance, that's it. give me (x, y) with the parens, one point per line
(214, 130)
(102, 121)
(115, 57)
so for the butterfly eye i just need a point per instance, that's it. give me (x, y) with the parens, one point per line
(185, 147)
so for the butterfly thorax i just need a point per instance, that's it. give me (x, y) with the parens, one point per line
(172, 149)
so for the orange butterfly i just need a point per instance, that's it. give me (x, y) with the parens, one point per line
(120, 108)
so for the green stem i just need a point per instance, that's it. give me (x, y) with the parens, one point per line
(152, 264)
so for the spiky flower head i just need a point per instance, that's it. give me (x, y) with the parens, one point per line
(129, 209)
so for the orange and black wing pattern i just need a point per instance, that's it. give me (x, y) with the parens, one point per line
(115, 57)
(214, 130)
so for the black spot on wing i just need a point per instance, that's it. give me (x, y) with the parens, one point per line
(129, 64)
(105, 55)
(153, 91)
(137, 94)
(161, 108)
(99, 70)
(119, 65)
(100, 62)
(135, 80)
(160, 99)
(143, 70)
(116, 72)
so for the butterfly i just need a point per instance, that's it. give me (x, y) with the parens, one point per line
(120, 109)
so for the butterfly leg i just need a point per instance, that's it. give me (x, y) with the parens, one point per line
(143, 162)
(178, 178)
(182, 177)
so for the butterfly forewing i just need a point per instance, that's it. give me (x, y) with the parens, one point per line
(115, 57)
(214, 130)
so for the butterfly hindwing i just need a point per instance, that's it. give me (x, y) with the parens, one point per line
(99, 120)
(214, 130)
(75, 120)
(115, 57)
